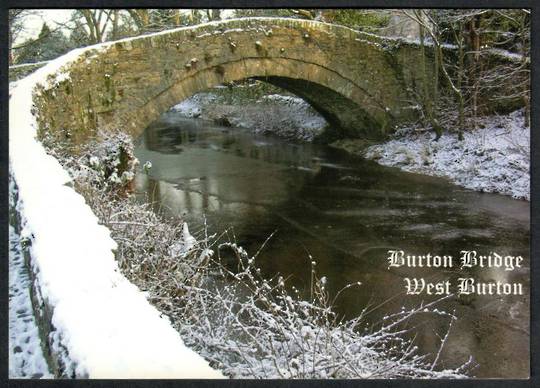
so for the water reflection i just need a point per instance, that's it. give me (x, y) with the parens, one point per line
(347, 212)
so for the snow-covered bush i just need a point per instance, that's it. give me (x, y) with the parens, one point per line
(114, 160)
(250, 326)
(107, 162)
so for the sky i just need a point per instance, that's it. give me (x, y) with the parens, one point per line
(34, 21)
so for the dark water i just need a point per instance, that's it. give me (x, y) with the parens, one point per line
(347, 213)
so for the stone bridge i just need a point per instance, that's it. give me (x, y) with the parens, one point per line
(357, 81)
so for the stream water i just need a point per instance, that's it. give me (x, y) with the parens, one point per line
(347, 213)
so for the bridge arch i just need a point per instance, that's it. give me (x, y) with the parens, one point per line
(315, 84)
(357, 81)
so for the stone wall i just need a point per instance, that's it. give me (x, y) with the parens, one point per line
(54, 352)
(17, 72)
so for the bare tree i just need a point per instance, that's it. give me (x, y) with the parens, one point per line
(91, 26)
(141, 18)
(115, 20)
(428, 95)
(16, 28)
(213, 14)
(481, 36)
(97, 22)
(152, 20)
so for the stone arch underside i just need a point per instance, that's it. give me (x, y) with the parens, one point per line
(347, 76)
(345, 117)
(349, 109)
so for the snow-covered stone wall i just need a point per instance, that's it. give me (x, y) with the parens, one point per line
(94, 322)
(17, 72)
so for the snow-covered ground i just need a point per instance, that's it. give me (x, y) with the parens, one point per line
(286, 116)
(26, 358)
(495, 158)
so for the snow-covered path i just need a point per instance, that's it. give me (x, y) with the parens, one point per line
(26, 358)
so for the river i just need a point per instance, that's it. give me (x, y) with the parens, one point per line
(347, 213)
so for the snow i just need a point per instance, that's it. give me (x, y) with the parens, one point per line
(28, 64)
(304, 117)
(102, 322)
(191, 107)
(223, 24)
(285, 116)
(147, 166)
(183, 247)
(494, 158)
(506, 54)
(26, 358)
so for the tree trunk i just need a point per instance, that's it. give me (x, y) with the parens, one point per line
(458, 37)
(426, 95)
(115, 25)
(87, 14)
(524, 54)
(474, 38)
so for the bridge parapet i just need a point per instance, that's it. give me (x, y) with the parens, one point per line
(92, 321)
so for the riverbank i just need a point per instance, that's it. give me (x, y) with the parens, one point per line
(495, 158)
(286, 116)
